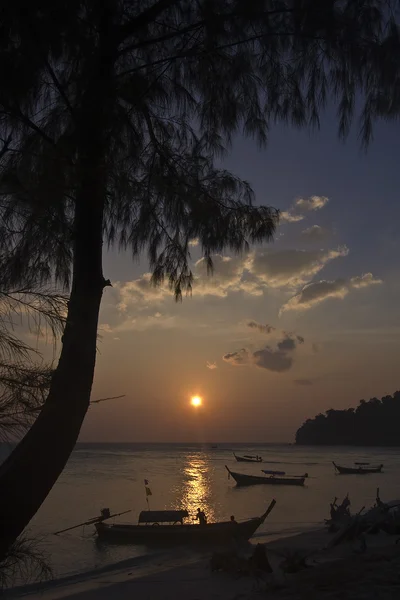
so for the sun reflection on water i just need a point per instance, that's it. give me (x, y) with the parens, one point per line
(195, 489)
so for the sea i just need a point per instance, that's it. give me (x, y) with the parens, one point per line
(194, 476)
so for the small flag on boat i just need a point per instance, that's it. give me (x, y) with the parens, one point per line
(148, 490)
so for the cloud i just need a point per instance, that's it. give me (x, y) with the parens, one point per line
(315, 293)
(261, 328)
(301, 206)
(278, 360)
(292, 267)
(315, 233)
(241, 357)
(287, 344)
(139, 291)
(251, 274)
(273, 360)
(311, 203)
(143, 322)
(211, 365)
(287, 217)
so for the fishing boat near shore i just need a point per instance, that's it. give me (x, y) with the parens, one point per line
(270, 478)
(248, 458)
(358, 469)
(168, 526)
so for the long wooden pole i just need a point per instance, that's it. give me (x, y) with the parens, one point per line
(91, 521)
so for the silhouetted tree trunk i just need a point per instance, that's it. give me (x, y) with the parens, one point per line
(29, 473)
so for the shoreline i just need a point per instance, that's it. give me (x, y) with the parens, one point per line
(193, 579)
(146, 564)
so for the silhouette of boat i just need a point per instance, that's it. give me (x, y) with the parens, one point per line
(248, 458)
(359, 469)
(167, 526)
(243, 479)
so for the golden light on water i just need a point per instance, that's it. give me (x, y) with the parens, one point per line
(195, 490)
(196, 401)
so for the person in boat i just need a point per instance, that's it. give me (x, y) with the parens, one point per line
(201, 516)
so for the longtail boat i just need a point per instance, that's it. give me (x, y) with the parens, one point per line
(357, 470)
(242, 479)
(248, 458)
(155, 527)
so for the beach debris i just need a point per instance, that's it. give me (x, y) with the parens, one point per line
(259, 559)
(293, 560)
(381, 517)
(338, 514)
(231, 562)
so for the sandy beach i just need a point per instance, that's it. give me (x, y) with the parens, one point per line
(343, 572)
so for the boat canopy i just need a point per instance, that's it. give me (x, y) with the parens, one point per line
(273, 472)
(162, 516)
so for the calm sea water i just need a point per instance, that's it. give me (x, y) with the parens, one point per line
(111, 475)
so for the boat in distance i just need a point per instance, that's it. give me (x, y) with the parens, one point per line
(243, 479)
(157, 527)
(248, 458)
(359, 469)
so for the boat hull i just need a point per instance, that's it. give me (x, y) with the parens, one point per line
(357, 470)
(212, 533)
(248, 460)
(245, 480)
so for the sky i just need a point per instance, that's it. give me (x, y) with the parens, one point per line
(277, 335)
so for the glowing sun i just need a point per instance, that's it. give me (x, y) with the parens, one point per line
(196, 401)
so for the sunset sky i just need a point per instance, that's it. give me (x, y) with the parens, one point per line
(291, 329)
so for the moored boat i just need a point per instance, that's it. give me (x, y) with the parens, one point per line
(243, 479)
(359, 469)
(158, 527)
(248, 458)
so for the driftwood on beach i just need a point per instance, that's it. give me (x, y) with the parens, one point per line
(381, 517)
(231, 562)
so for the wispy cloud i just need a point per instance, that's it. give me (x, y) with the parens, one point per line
(251, 274)
(315, 233)
(291, 268)
(311, 203)
(260, 327)
(277, 359)
(287, 216)
(211, 365)
(238, 358)
(303, 205)
(315, 293)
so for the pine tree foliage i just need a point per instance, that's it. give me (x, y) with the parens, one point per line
(187, 77)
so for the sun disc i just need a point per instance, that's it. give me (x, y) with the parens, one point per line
(195, 401)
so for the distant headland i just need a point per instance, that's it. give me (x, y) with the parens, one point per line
(373, 423)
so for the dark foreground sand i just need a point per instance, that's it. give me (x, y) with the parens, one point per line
(341, 573)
